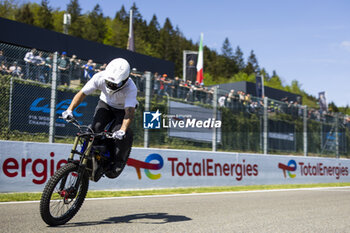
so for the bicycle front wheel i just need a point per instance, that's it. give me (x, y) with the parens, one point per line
(60, 200)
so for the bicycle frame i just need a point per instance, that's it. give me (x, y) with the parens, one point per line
(84, 154)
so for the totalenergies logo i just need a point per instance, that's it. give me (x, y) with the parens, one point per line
(289, 168)
(147, 165)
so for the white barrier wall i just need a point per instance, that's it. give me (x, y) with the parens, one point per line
(26, 167)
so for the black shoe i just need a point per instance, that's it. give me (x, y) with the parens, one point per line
(116, 166)
(115, 170)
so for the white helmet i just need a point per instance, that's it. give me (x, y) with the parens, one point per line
(117, 74)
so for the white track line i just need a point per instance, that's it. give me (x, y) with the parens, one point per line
(199, 194)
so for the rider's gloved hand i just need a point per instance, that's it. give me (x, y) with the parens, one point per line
(120, 134)
(67, 115)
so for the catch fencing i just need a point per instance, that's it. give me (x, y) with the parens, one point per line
(35, 92)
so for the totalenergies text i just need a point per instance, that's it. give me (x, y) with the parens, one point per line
(319, 169)
(207, 167)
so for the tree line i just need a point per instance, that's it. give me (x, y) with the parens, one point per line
(151, 38)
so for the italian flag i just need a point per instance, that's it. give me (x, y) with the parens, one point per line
(200, 62)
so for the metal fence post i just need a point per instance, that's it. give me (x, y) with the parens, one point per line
(10, 102)
(147, 106)
(305, 130)
(215, 110)
(337, 135)
(53, 99)
(265, 125)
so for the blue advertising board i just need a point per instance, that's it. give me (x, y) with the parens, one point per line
(30, 111)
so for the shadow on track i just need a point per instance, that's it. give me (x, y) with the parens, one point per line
(145, 218)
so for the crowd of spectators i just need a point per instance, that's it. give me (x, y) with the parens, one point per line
(236, 100)
(37, 67)
(175, 87)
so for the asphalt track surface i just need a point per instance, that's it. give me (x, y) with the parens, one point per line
(304, 210)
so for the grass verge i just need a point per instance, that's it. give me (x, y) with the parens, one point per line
(6, 197)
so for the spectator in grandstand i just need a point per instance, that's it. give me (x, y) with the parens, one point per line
(211, 95)
(75, 71)
(188, 91)
(182, 89)
(3, 68)
(48, 68)
(143, 82)
(163, 84)
(197, 91)
(101, 68)
(207, 95)
(88, 71)
(63, 69)
(347, 121)
(94, 67)
(253, 107)
(232, 99)
(221, 101)
(135, 76)
(289, 107)
(247, 100)
(3, 59)
(284, 106)
(175, 87)
(156, 82)
(39, 63)
(170, 89)
(241, 96)
(29, 58)
(16, 70)
(189, 86)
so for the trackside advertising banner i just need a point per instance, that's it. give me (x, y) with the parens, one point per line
(32, 113)
(26, 167)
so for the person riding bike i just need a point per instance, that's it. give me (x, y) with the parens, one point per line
(116, 107)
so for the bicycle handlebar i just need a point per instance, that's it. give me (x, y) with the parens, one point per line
(91, 133)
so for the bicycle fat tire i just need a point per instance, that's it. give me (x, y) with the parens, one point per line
(45, 202)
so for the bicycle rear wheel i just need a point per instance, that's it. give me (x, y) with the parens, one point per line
(60, 201)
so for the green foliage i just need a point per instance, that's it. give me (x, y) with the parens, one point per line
(226, 49)
(252, 64)
(95, 27)
(332, 107)
(275, 82)
(8, 9)
(165, 42)
(77, 20)
(117, 32)
(345, 110)
(57, 18)
(242, 76)
(44, 15)
(24, 14)
(239, 59)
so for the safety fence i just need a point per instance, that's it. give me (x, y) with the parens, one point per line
(34, 94)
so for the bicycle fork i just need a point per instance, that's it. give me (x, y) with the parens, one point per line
(72, 191)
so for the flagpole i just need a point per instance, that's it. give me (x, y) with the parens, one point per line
(200, 62)
(131, 45)
(130, 23)
(263, 86)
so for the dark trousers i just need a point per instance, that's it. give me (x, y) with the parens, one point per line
(63, 77)
(106, 115)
